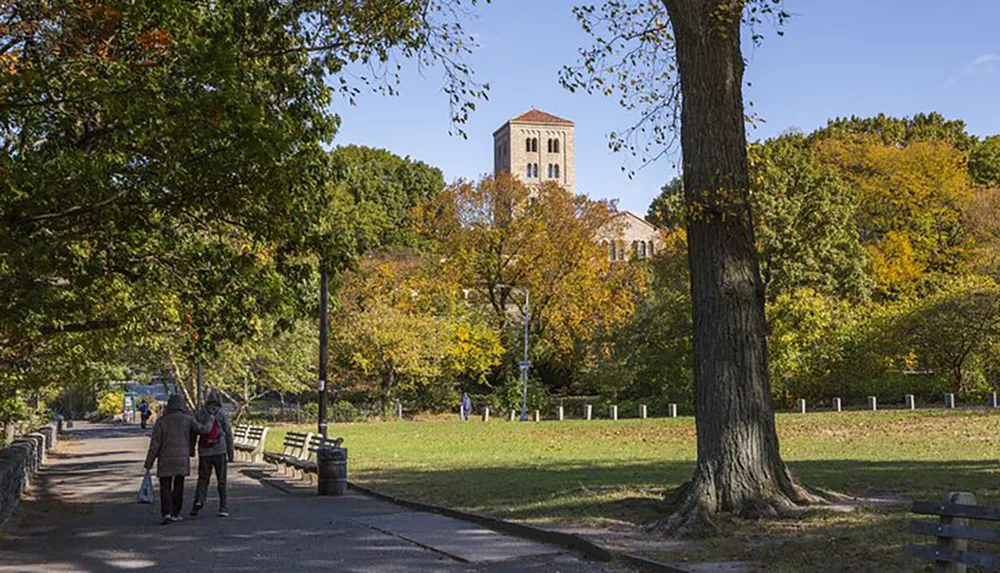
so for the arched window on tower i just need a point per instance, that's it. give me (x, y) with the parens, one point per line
(527, 145)
(642, 249)
(534, 144)
(555, 171)
(528, 174)
(612, 251)
(549, 145)
(534, 170)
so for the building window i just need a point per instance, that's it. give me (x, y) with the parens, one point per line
(555, 171)
(549, 172)
(534, 144)
(650, 250)
(534, 170)
(642, 249)
(611, 251)
(528, 174)
(527, 145)
(555, 146)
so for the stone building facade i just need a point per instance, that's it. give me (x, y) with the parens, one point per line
(537, 147)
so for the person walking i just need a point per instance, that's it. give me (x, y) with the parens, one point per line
(168, 446)
(215, 452)
(144, 412)
(466, 406)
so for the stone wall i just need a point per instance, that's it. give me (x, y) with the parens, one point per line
(19, 463)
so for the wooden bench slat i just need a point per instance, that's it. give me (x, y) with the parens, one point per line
(955, 531)
(974, 558)
(956, 510)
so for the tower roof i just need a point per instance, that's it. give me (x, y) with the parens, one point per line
(538, 116)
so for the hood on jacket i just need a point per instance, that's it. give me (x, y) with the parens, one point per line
(214, 400)
(176, 403)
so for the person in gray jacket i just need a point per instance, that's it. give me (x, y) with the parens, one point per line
(215, 451)
(168, 446)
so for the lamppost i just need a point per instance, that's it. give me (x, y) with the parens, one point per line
(324, 324)
(524, 364)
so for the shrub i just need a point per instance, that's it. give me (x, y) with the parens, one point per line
(343, 411)
(310, 412)
(110, 403)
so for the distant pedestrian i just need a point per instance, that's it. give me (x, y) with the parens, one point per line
(169, 448)
(144, 412)
(215, 452)
(466, 406)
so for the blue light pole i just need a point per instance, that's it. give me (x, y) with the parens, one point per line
(524, 364)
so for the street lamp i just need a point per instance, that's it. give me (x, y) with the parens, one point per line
(524, 364)
(324, 336)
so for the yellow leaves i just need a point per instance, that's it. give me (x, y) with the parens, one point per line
(913, 200)
(8, 63)
(893, 263)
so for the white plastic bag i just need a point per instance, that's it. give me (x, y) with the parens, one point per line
(146, 490)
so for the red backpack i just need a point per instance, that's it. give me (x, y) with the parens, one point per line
(212, 437)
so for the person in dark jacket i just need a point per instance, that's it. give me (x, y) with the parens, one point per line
(168, 446)
(215, 451)
(145, 412)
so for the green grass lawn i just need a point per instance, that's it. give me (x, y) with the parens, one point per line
(611, 475)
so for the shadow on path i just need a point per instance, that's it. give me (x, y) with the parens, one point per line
(83, 516)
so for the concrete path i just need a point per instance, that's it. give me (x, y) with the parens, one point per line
(83, 516)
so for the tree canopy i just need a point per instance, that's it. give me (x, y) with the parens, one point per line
(164, 164)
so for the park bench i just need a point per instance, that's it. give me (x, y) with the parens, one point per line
(240, 434)
(294, 447)
(307, 464)
(950, 553)
(248, 441)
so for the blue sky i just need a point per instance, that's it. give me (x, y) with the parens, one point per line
(837, 58)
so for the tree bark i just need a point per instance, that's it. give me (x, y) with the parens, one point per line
(739, 468)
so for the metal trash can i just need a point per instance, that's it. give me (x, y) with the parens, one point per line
(331, 465)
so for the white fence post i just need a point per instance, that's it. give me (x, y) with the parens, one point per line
(614, 412)
(837, 407)
(538, 416)
(588, 412)
(486, 414)
(911, 403)
(642, 412)
(801, 405)
(672, 409)
(559, 413)
(991, 399)
(872, 403)
(949, 400)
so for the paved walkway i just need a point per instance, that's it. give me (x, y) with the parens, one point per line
(83, 516)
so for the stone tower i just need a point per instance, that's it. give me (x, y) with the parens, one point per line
(536, 147)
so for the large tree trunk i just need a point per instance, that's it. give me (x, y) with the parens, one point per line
(739, 467)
